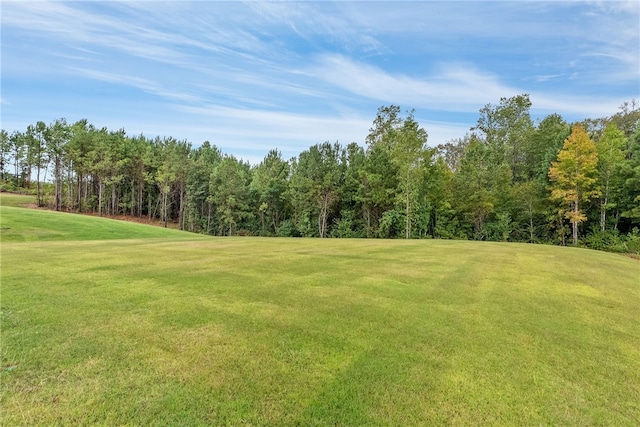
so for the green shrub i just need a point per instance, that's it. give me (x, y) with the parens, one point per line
(287, 229)
(608, 240)
(613, 241)
(633, 242)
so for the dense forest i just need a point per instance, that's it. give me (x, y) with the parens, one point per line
(509, 179)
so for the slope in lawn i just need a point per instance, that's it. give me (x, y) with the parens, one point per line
(19, 224)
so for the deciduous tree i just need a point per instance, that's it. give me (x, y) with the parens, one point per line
(574, 176)
(410, 154)
(631, 174)
(507, 129)
(611, 155)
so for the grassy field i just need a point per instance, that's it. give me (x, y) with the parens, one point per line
(110, 323)
(25, 225)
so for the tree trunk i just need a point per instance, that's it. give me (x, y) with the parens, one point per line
(407, 221)
(79, 201)
(367, 215)
(133, 198)
(603, 206)
(276, 221)
(38, 186)
(16, 169)
(70, 188)
(99, 196)
(140, 195)
(575, 223)
(113, 199)
(181, 208)
(155, 209)
(324, 211)
(163, 211)
(86, 191)
(531, 229)
(58, 184)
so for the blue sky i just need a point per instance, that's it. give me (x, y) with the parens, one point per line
(250, 77)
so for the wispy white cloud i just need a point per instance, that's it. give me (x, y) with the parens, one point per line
(547, 77)
(452, 87)
(610, 40)
(292, 129)
(146, 85)
(330, 22)
(576, 107)
(81, 28)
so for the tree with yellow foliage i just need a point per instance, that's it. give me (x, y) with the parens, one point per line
(574, 176)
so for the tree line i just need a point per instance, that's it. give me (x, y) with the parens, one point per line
(510, 178)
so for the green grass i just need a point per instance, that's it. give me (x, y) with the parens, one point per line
(16, 200)
(189, 330)
(24, 225)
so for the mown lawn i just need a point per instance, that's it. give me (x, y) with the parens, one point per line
(178, 329)
(18, 224)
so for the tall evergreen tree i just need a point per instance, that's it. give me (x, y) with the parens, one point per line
(39, 155)
(269, 183)
(56, 138)
(229, 190)
(5, 152)
(18, 147)
(199, 204)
